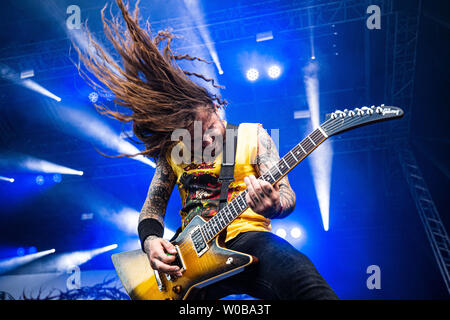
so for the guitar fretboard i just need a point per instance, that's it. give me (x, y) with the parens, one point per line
(236, 206)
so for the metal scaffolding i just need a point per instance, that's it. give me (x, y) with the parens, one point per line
(434, 227)
(401, 54)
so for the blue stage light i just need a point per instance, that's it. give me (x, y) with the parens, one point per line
(252, 74)
(281, 232)
(274, 71)
(32, 250)
(296, 233)
(93, 97)
(40, 180)
(20, 252)
(57, 177)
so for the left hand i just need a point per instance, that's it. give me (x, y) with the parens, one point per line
(262, 197)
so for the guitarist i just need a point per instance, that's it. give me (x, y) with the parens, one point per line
(162, 99)
(282, 272)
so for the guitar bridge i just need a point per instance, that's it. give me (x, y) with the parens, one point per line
(199, 242)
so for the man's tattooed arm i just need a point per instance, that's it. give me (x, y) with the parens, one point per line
(159, 192)
(268, 156)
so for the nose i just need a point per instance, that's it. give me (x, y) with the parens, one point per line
(207, 140)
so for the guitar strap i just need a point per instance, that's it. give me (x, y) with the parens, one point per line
(226, 175)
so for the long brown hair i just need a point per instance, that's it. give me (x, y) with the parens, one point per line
(159, 94)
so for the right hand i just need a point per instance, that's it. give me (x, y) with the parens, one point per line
(161, 254)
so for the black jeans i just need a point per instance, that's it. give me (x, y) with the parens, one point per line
(282, 272)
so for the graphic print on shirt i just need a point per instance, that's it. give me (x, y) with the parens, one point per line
(202, 198)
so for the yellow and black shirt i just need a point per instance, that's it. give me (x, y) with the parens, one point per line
(200, 190)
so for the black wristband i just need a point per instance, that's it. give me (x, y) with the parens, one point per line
(149, 227)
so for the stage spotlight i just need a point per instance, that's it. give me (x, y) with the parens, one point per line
(21, 79)
(93, 97)
(274, 71)
(39, 165)
(32, 250)
(40, 180)
(27, 74)
(252, 74)
(70, 260)
(281, 232)
(264, 36)
(6, 179)
(57, 178)
(30, 84)
(12, 263)
(296, 233)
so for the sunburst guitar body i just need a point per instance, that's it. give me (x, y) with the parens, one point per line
(198, 268)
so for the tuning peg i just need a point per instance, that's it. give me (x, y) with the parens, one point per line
(379, 110)
(333, 116)
(351, 113)
(368, 110)
(359, 112)
(340, 113)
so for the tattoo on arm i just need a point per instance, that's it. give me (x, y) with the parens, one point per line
(159, 192)
(267, 157)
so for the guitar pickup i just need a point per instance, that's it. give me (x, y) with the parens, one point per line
(199, 242)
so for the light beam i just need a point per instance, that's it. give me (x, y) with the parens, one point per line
(6, 179)
(321, 158)
(91, 128)
(13, 263)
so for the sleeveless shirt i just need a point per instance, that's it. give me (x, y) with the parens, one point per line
(199, 187)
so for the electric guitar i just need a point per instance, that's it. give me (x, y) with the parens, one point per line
(201, 254)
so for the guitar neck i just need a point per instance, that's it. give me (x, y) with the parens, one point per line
(235, 207)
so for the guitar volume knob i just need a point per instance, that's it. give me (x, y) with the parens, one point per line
(177, 289)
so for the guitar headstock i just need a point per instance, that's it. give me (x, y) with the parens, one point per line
(340, 121)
